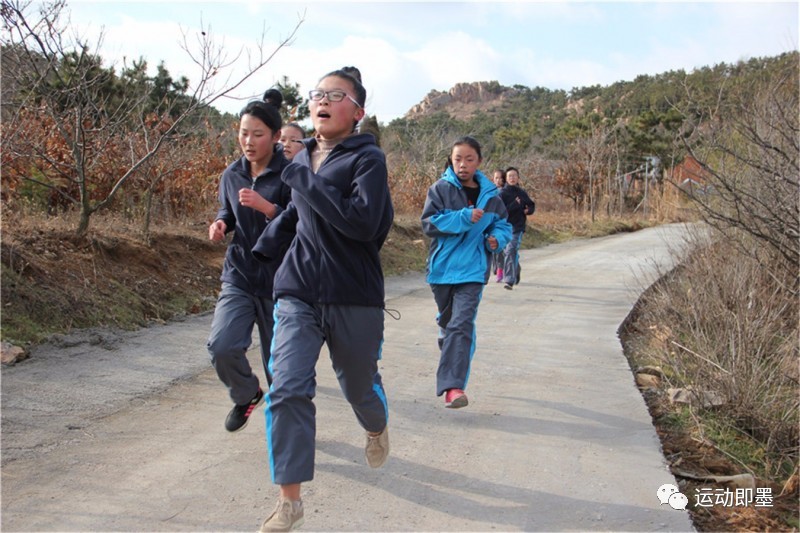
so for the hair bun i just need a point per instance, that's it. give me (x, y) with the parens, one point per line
(353, 71)
(273, 97)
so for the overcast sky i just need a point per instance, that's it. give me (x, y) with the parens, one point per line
(406, 49)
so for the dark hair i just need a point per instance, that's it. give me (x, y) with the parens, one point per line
(267, 110)
(352, 75)
(509, 169)
(296, 126)
(469, 141)
(502, 173)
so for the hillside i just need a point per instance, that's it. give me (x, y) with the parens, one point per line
(523, 123)
(54, 282)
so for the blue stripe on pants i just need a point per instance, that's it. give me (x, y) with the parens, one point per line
(458, 310)
(354, 335)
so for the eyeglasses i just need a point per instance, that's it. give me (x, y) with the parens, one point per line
(333, 96)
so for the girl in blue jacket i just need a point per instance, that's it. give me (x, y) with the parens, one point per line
(329, 288)
(250, 193)
(466, 220)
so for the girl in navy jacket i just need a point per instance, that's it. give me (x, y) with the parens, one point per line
(466, 220)
(250, 192)
(519, 205)
(328, 289)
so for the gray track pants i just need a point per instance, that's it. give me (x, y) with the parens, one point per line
(354, 335)
(235, 314)
(458, 309)
(511, 259)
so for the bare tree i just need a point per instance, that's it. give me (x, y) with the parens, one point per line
(62, 87)
(748, 151)
(416, 158)
(593, 151)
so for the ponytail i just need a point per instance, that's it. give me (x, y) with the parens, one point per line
(267, 110)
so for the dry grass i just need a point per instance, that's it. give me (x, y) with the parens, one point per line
(726, 322)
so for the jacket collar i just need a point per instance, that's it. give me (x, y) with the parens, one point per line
(276, 163)
(484, 183)
(351, 141)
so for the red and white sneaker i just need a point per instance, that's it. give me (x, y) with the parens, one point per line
(455, 398)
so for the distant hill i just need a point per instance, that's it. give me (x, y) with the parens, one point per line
(463, 100)
(655, 93)
(644, 115)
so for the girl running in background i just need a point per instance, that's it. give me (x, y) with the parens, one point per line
(291, 135)
(499, 179)
(519, 205)
(466, 220)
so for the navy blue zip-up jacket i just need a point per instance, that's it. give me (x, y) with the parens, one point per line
(241, 268)
(337, 222)
(516, 209)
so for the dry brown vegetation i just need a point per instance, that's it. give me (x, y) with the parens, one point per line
(724, 326)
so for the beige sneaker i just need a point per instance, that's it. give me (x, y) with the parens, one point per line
(287, 516)
(377, 449)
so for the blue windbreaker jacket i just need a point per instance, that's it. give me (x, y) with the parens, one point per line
(458, 251)
(240, 267)
(337, 222)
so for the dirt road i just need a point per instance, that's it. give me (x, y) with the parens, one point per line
(124, 432)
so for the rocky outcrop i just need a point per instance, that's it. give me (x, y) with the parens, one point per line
(479, 94)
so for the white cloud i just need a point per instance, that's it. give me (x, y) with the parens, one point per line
(406, 49)
(457, 57)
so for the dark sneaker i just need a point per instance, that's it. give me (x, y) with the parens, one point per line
(287, 516)
(377, 449)
(508, 286)
(455, 398)
(237, 418)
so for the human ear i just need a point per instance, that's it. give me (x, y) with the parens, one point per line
(359, 114)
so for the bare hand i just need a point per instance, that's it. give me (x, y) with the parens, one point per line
(250, 198)
(216, 231)
(477, 214)
(492, 242)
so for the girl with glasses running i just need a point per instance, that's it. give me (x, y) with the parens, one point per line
(328, 289)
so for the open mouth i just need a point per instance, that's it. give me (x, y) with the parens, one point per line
(323, 114)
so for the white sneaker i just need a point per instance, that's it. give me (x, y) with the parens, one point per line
(287, 516)
(377, 449)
